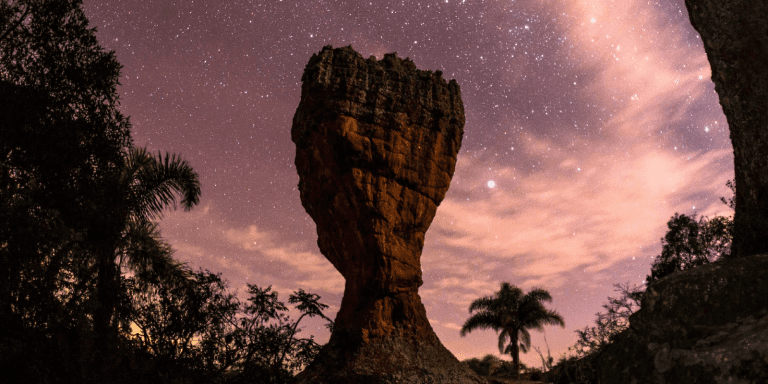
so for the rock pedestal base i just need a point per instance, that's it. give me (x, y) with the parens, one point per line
(409, 352)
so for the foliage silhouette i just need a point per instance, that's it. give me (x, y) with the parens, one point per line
(191, 329)
(174, 317)
(145, 186)
(730, 202)
(61, 139)
(689, 243)
(610, 323)
(268, 337)
(512, 313)
(592, 340)
(491, 365)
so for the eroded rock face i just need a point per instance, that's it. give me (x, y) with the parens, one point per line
(735, 36)
(703, 325)
(376, 145)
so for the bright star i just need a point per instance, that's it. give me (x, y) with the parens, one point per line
(491, 183)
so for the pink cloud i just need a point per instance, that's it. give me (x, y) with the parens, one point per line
(590, 204)
(250, 254)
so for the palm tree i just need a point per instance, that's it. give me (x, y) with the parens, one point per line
(145, 186)
(512, 313)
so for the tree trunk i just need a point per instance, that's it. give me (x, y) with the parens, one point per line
(104, 236)
(107, 295)
(515, 342)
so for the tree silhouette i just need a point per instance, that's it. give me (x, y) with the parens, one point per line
(689, 243)
(61, 135)
(608, 324)
(82, 263)
(181, 319)
(145, 187)
(268, 338)
(195, 331)
(512, 314)
(490, 365)
(61, 138)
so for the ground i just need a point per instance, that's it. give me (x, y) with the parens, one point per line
(495, 380)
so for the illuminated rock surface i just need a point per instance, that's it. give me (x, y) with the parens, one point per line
(376, 145)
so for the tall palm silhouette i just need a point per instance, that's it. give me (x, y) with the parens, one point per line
(512, 313)
(144, 187)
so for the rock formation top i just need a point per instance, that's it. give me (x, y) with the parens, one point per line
(389, 93)
(386, 93)
(376, 146)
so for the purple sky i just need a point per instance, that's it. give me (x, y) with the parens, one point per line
(595, 121)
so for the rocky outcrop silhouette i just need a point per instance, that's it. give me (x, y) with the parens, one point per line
(709, 324)
(376, 145)
(702, 325)
(735, 36)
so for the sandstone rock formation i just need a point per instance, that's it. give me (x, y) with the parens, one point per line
(735, 36)
(376, 145)
(704, 325)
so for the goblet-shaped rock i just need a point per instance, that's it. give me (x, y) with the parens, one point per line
(376, 145)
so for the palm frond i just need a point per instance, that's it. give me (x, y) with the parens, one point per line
(483, 303)
(553, 318)
(157, 180)
(539, 295)
(480, 320)
(147, 254)
(511, 310)
(503, 339)
(525, 340)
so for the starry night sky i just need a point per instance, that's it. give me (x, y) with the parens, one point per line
(588, 124)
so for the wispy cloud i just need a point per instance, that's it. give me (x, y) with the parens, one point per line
(580, 205)
(313, 270)
(249, 253)
(652, 78)
(563, 218)
(592, 208)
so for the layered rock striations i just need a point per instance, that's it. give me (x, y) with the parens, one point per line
(735, 36)
(376, 145)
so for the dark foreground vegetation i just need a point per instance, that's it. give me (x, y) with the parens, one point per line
(89, 291)
(501, 371)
